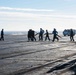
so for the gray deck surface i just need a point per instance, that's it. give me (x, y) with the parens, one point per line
(19, 57)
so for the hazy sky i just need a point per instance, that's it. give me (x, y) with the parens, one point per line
(18, 15)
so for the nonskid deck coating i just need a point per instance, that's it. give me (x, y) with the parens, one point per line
(36, 58)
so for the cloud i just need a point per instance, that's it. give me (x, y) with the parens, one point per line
(17, 12)
(25, 9)
(26, 20)
(33, 15)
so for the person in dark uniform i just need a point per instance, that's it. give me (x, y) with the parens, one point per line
(71, 35)
(41, 34)
(47, 35)
(31, 35)
(55, 33)
(2, 34)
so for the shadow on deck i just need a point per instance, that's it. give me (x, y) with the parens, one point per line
(71, 66)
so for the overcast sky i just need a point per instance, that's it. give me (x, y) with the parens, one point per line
(21, 15)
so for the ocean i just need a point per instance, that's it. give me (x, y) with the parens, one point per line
(15, 32)
(24, 32)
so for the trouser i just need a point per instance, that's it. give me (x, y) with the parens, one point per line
(2, 37)
(55, 37)
(41, 37)
(47, 37)
(33, 38)
(71, 38)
